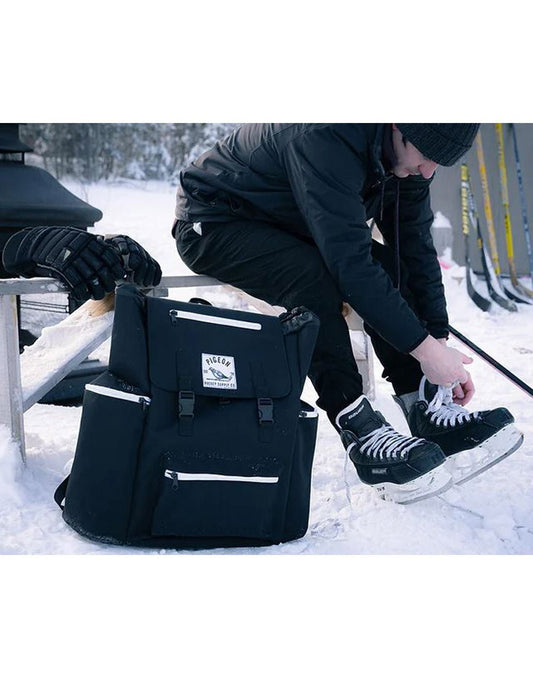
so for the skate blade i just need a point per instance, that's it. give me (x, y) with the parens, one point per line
(436, 481)
(468, 464)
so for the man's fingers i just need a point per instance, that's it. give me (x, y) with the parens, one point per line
(468, 389)
(458, 392)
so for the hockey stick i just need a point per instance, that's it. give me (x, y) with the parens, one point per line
(524, 293)
(489, 359)
(491, 278)
(482, 302)
(490, 223)
(525, 222)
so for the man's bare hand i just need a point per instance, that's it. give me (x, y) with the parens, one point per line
(463, 393)
(444, 366)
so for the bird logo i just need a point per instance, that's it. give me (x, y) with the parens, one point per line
(219, 371)
(220, 375)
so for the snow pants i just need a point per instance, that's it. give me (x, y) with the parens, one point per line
(286, 269)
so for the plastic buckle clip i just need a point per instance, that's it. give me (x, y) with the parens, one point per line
(186, 403)
(265, 408)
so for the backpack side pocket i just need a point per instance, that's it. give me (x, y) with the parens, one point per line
(297, 511)
(99, 492)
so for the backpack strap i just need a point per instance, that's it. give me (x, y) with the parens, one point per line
(59, 494)
(186, 400)
(265, 404)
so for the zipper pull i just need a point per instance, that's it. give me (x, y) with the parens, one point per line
(174, 477)
(144, 404)
(173, 316)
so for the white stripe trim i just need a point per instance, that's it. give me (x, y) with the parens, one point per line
(113, 393)
(215, 320)
(219, 476)
(349, 408)
(308, 414)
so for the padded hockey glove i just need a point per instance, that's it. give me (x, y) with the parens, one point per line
(83, 261)
(140, 267)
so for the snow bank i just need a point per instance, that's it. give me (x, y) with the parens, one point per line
(492, 514)
(59, 344)
(10, 471)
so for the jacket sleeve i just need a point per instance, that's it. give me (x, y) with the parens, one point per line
(326, 171)
(417, 251)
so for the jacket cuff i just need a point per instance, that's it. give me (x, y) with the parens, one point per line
(417, 343)
(440, 334)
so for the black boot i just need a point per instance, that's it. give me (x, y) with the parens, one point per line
(400, 468)
(472, 441)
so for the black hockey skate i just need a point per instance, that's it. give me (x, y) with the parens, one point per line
(471, 441)
(402, 469)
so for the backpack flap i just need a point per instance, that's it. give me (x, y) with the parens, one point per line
(216, 352)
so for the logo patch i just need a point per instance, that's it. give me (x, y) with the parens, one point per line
(218, 371)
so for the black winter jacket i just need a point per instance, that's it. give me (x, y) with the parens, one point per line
(327, 181)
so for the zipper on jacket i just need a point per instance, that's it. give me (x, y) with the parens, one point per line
(143, 400)
(176, 476)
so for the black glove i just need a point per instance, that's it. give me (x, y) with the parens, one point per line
(141, 268)
(83, 261)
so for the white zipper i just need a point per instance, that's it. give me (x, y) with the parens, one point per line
(308, 414)
(179, 475)
(214, 319)
(114, 393)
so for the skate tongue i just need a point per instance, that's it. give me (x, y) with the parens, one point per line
(360, 418)
(427, 391)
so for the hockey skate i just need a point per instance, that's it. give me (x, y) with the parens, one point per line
(400, 468)
(472, 441)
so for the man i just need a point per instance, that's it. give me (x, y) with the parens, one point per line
(281, 210)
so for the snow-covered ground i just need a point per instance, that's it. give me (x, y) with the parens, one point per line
(492, 514)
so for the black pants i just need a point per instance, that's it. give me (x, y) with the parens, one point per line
(286, 269)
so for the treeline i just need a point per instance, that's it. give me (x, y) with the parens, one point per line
(106, 151)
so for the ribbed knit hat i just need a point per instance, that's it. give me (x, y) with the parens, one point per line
(444, 143)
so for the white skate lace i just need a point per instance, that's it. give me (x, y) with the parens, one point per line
(386, 443)
(444, 412)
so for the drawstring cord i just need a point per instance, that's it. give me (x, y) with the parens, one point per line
(346, 483)
(397, 232)
(396, 226)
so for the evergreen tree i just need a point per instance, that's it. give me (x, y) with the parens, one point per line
(106, 151)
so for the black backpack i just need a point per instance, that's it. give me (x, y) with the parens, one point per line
(195, 436)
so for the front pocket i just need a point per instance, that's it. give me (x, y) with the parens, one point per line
(234, 354)
(176, 476)
(100, 487)
(226, 502)
(297, 514)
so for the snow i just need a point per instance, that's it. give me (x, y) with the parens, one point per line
(492, 514)
(57, 345)
(441, 221)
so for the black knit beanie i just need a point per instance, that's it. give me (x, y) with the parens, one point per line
(444, 143)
